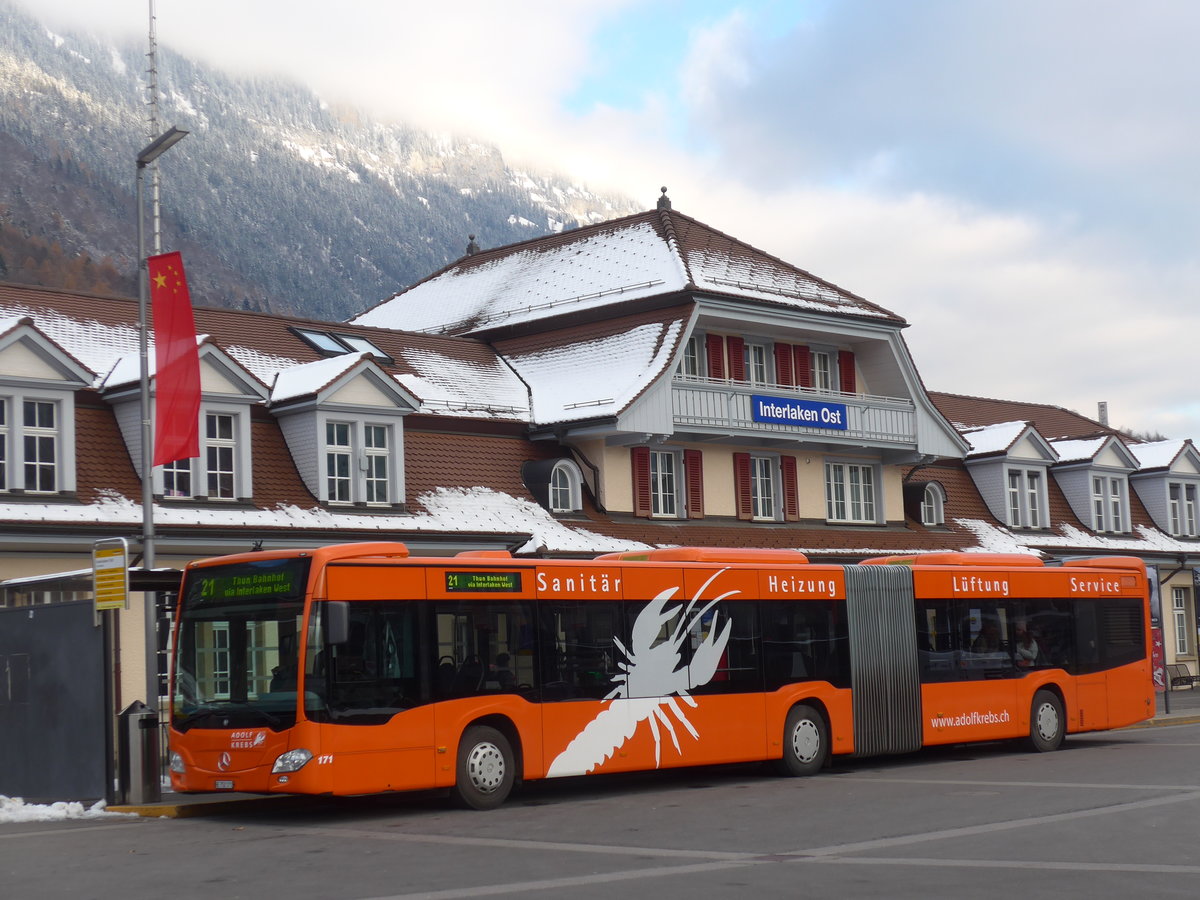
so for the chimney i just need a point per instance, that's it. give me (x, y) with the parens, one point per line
(1102, 412)
(472, 247)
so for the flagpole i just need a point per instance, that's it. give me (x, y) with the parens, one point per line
(152, 151)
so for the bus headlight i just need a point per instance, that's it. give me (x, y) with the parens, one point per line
(177, 763)
(292, 761)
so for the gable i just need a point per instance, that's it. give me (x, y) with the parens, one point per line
(21, 360)
(362, 391)
(1027, 448)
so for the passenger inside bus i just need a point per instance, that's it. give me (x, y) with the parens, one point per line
(1026, 648)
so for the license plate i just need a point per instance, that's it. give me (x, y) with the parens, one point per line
(224, 785)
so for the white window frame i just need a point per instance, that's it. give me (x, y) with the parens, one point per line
(933, 505)
(196, 469)
(1181, 508)
(1027, 501)
(1108, 503)
(339, 461)
(172, 474)
(33, 463)
(822, 370)
(691, 361)
(368, 469)
(1182, 613)
(566, 487)
(213, 450)
(765, 488)
(758, 364)
(666, 469)
(850, 492)
(377, 464)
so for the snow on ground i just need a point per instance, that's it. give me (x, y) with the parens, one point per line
(14, 809)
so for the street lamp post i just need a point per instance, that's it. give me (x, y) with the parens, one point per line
(152, 151)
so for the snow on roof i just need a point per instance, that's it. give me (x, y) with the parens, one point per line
(1069, 450)
(1158, 455)
(996, 539)
(476, 510)
(97, 345)
(724, 273)
(309, 378)
(617, 368)
(993, 438)
(627, 263)
(465, 387)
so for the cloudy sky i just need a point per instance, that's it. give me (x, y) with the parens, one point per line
(1017, 178)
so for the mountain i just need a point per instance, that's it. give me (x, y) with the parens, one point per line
(277, 201)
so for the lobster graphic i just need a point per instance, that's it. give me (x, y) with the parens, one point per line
(652, 682)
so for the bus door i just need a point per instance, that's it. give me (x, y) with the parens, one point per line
(372, 693)
(969, 680)
(886, 689)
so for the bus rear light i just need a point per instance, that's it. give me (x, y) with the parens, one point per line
(292, 761)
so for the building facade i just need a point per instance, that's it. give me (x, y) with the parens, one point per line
(644, 382)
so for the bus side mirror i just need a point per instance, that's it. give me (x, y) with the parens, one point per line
(337, 622)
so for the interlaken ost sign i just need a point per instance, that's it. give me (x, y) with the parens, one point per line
(805, 413)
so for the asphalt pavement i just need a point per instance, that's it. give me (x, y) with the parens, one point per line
(1180, 707)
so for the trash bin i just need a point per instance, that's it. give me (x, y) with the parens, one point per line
(140, 763)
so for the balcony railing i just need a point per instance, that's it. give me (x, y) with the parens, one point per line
(711, 405)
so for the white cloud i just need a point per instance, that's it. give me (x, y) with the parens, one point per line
(1014, 177)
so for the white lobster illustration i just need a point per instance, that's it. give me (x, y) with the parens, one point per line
(652, 682)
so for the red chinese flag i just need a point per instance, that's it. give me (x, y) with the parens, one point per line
(176, 362)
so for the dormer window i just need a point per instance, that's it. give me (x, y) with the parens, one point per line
(933, 505)
(1026, 498)
(366, 481)
(566, 483)
(1108, 503)
(1181, 509)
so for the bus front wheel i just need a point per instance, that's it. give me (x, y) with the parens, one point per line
(1047, 723)
(805, 742)
(486, 769)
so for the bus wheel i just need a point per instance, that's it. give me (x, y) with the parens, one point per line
(1046, 722)
(805, 742)
(485, 772)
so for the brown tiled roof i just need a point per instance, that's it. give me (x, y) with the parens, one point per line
(266, 333)
(1052, 422)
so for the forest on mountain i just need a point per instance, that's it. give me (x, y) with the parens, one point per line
(277, 201)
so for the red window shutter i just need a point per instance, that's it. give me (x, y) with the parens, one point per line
(741, 486)
(639, 458)
(737, 358)
(693, 471)
(803, 364)
(714, 346)
(785, 366)
(846, 380)
(791, 493)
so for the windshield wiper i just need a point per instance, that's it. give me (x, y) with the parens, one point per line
(194, 717)
(272, 720)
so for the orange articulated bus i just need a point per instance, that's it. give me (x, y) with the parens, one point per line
(355, 669)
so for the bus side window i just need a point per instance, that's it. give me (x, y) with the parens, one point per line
(579, 657)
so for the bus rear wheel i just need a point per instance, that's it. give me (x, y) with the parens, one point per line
(486, 771)
(1047, 723)
(805, 742)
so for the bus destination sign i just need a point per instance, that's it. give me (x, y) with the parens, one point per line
(273, 579)
(483, 582)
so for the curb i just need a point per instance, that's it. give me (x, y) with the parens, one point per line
(200, 807)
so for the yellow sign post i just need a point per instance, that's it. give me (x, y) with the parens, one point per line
(110, 574)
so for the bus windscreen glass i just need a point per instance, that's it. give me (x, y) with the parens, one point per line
(238, 645)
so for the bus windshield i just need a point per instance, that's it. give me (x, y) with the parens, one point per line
(237, 647)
